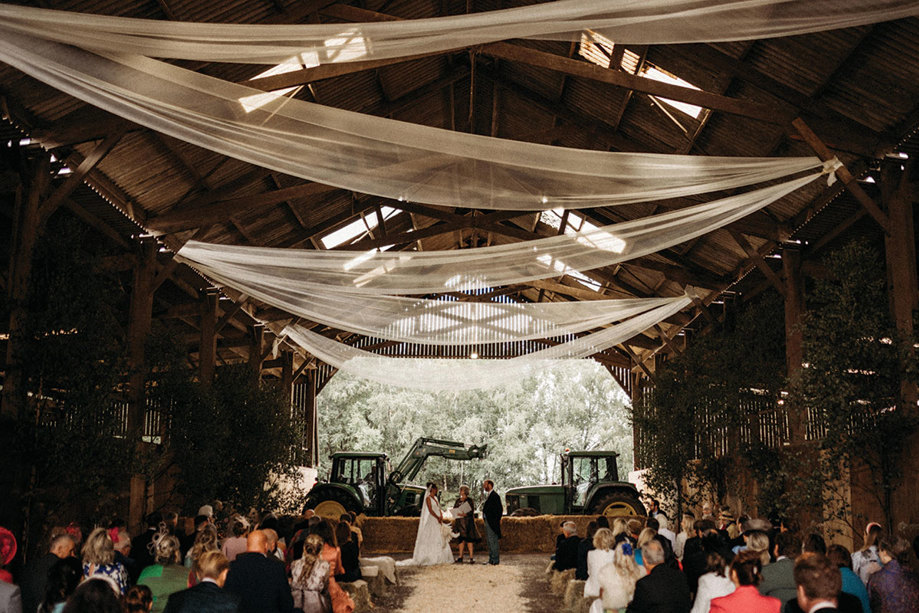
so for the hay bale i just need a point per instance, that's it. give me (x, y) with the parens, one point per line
(376, 582)
(558, 581)
(574, 591)
(360, 594)
(384, 535)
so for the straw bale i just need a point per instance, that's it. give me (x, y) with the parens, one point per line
(360, 594)
(558, 582)
(536, 534)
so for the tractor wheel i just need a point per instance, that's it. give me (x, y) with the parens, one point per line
(617, 504)
(332, 504)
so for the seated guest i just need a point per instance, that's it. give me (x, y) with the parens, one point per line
(260, 583)
(834, 599)
(350, 555)
(778, 578)
(122, 541)
(759, 542)
(10, 598)
(814, 543)
(35, 576)
(713, 584)
(142, 544)
(205, 541)
(818, 583)
(694, 538)
(695, 564)
(865, 561)
(8, 548)
(893, 589)
(669, 559)
(687, 531)
(663, 590)
(167, 576)
(566, 550)
(617, 580)
(310, 579)
(851, 584)
(139, 599)
(236, 544)
(601, 555)
(208, 594)
(272, 536)
(99, 560)
(331, 553)
(620, 530)
(745, 574)
(646, 536)
(93, 596)
(351, 520)
(584, 547)
(63, 579)
(664, 529)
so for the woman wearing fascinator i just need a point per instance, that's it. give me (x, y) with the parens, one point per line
(432, 544)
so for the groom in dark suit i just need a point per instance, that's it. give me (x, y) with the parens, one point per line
(492, 510)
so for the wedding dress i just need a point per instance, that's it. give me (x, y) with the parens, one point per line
(432, 545)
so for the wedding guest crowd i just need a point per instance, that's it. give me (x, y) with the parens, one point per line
(190, 573)
(763, 568)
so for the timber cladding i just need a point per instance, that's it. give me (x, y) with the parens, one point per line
(384, 535)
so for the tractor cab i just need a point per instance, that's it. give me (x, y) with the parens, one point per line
(582, 471)
(365, 473)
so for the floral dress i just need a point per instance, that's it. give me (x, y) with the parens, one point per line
(114, 573)
(311, 594)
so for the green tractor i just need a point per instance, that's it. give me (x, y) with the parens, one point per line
(360, 482)
(590, 486)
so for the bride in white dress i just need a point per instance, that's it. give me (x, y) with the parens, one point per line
(432, 545)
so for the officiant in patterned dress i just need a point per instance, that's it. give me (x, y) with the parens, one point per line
(464, 524)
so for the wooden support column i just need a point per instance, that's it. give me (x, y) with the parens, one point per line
(900, 246)
(311, 416)
(27, 227)
(207, 351)
(636, 436)
(255, 350)
(794, 355)
(140, 318)
(287, 375)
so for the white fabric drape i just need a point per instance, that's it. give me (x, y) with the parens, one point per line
(374, 155)
(623, 21)
(423, 272)
(435, 322)
(478, 374)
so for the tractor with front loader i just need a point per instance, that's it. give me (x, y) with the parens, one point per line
(362, 482)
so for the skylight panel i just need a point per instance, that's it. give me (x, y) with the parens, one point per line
(357, 229)
(596, 48)
(251, 103)
(655, 73)
(345, 235)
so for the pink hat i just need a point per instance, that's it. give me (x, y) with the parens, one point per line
(7, 546)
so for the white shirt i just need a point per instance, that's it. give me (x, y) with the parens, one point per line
(711, 586)
(596, 559)
(668, 534)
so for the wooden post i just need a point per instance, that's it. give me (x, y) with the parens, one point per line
(312, 417)
(27, 227)
(255, 350)
(636, 436)
(207, 351)
(794, 353)
(900, 246)
(140, 318)
(287, 375)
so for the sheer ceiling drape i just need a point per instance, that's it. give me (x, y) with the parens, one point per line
(375, 155)
(624, 21)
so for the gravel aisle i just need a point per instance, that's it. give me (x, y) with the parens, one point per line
(516, 585)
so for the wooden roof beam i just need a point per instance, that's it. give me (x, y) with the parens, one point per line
(213, 210)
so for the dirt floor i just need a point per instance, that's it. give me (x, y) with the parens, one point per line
(518, 584)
